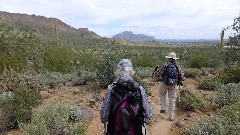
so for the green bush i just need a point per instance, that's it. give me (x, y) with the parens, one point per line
(196, 61)
(58, 59)
(230, 74)
(52, 119)
(191, 72)
(231, 112)
(18, 107)
(13, 61)
(189, 102)
(210, 83)
(88, 76)
(227, 94)
(75, 113)
(105, 69)
(144, 72)
(25, 95)
(7, 118)
(214, 126)
(143, 61)
(17, 45)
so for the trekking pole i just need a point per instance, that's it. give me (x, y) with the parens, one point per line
(105, 132)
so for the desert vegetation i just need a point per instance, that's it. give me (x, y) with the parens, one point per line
(30, 64)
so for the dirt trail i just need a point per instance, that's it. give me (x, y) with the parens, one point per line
(160, 124)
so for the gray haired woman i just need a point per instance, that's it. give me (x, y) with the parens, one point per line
(124, 73)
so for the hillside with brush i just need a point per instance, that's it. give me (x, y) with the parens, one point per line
(46, 28)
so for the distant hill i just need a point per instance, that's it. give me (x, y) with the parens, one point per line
(134, 37)
(45, 27)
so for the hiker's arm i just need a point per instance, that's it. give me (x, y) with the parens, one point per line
(146, 105)
(155, 70)
(181, 74)
(106, 105)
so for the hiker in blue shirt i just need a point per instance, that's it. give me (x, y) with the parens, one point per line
(171, 75)
(113, 109)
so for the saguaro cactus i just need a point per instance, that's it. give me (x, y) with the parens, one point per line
(222, 36)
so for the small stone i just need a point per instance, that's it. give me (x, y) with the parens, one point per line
(76, 91)
(180, 124)
(92, 102)
(44, 94)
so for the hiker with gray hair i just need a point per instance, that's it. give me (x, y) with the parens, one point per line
(125, 106)
(171, 75)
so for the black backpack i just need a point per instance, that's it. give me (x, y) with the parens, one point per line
(126, 112)
(171, 75)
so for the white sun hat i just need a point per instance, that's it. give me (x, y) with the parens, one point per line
(172, 55)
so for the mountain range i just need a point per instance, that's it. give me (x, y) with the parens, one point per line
(45, 27)
(50, 28)
(134, 37)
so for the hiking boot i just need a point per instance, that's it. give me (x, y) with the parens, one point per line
(162, 111)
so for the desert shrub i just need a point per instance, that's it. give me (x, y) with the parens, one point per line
(143, 61)
(18, 107)
(52, 79)
(10, 80)
(231, 112)
(144, 72)
(206, 69)
(13, 61)
(25, 95)
(210, 83)
(52, 119)
(214, 126)
(230, 74)
(227, 94)
(105, 69)
(207, 56)
(86, 60)
(7, 118)
(16, 46)
(189, 101)
(87, 75)
(191, 72)
(58, 58)
(24, 100)
(75, 114)
(232, 54)
(196, 61)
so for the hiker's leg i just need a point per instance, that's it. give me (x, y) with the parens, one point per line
(172, 101)
(162, 95)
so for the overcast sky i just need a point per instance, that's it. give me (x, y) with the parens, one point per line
(164, 19)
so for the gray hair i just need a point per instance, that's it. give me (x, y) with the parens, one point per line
(124, 68)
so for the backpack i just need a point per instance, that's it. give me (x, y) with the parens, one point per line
(126, 113)
(171, 75)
